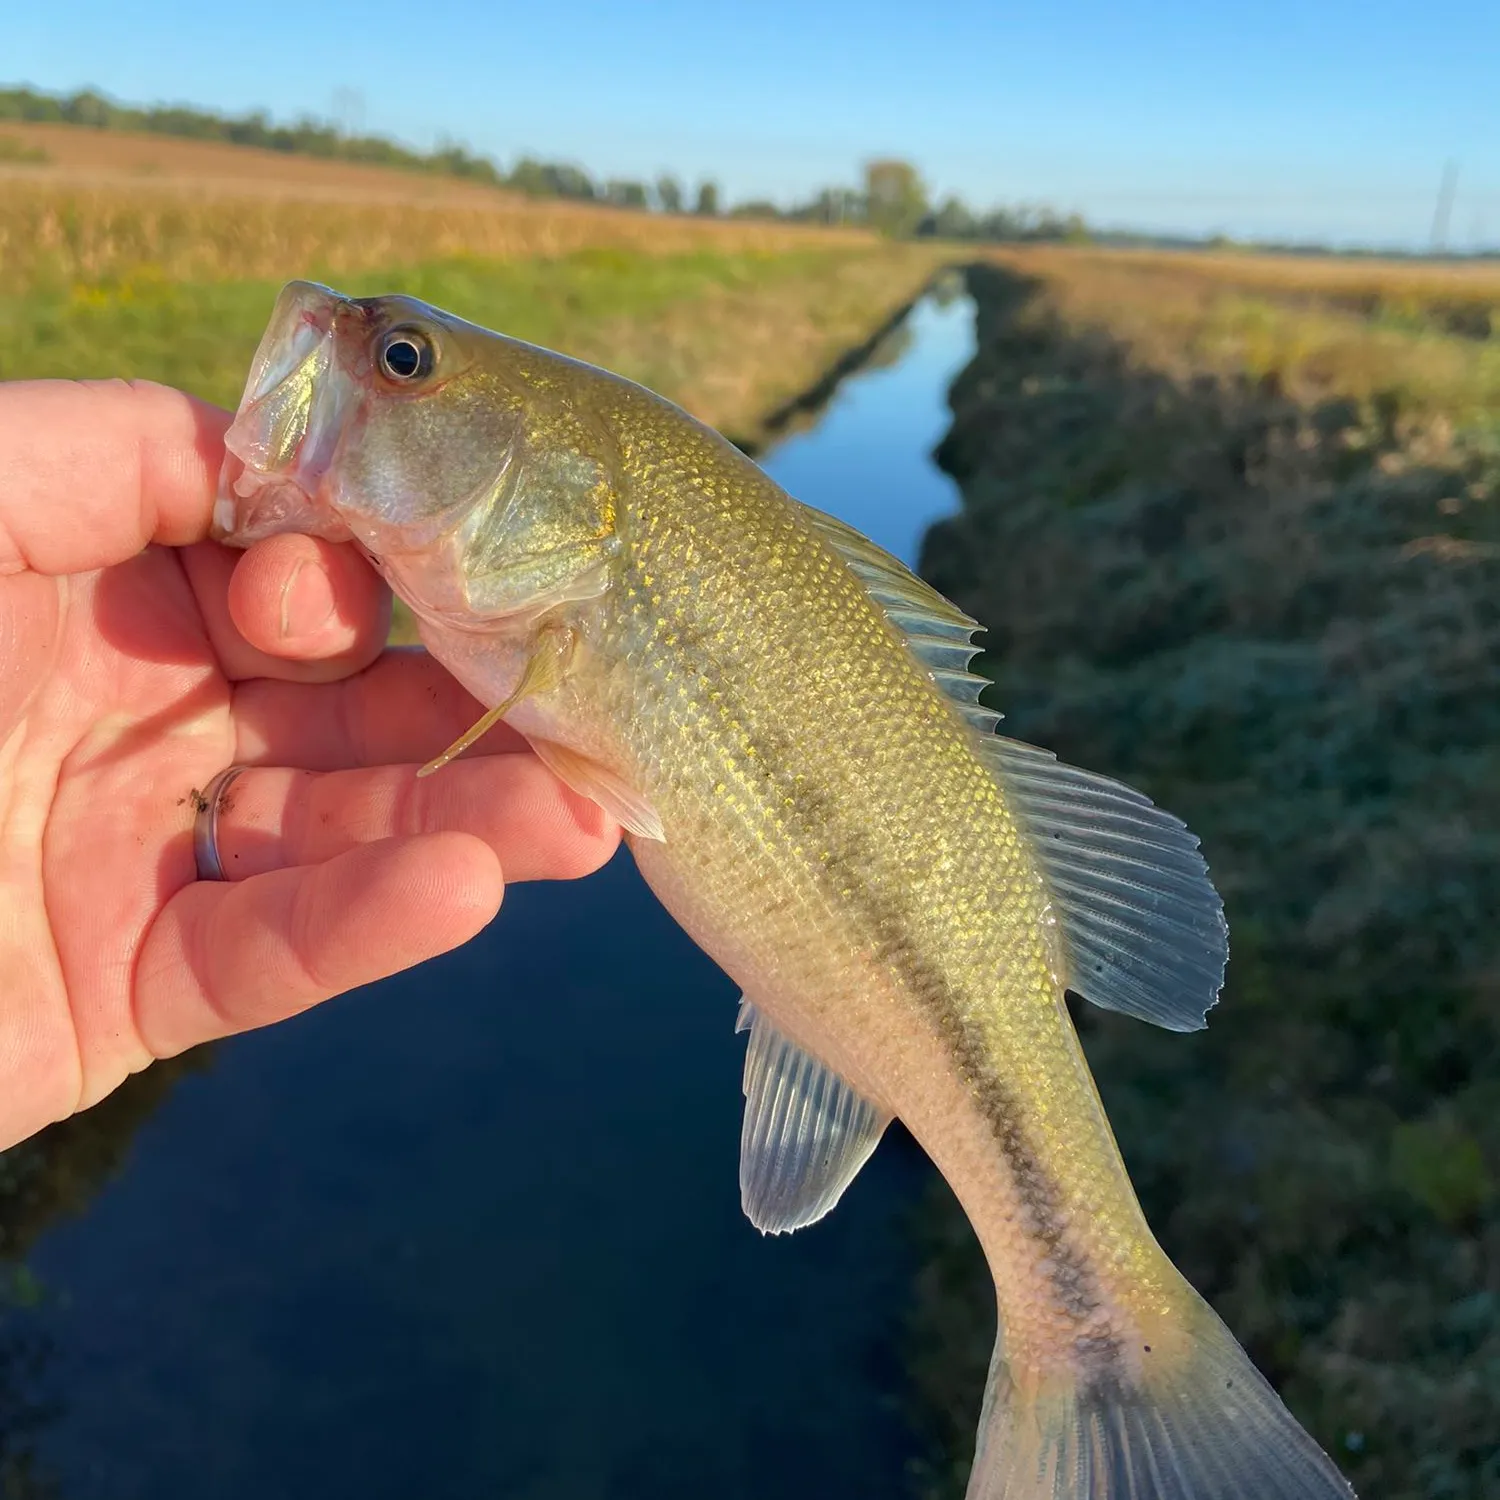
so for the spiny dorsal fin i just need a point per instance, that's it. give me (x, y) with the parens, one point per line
(937, 632)
(1142, 927)
(806, 1133)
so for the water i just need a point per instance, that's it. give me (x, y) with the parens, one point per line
(476, 1230)
(869, 459)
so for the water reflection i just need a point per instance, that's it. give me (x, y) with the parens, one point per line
(476, 1229)
(869, 458)
(54, 1176)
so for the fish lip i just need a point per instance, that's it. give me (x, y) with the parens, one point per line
(297, 397)
(304, 310)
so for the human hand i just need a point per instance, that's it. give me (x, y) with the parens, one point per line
(137, 660)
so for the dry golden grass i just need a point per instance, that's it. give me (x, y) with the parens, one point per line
(53, 233)
(1323, 275)
(1316, 327)
(76, 156)
(98, 212)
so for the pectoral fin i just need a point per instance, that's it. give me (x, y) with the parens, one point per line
(545, 669)
(599, 784)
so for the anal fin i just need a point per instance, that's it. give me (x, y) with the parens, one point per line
(806, 1132)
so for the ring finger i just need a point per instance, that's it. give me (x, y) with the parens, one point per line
(271, 818)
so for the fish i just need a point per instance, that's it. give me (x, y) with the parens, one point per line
(782, 719)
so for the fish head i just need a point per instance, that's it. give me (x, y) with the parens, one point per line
(453, 456)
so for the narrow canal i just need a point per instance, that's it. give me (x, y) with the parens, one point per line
(475, 1231)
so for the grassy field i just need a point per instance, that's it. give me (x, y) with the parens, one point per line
(107, 270)
(61, 230)
(730, 334)
(1412, 333)
(1233, 525)
(69, 153)
(1232, 522)
(82, 207)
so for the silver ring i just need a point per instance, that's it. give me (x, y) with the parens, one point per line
(206, 824)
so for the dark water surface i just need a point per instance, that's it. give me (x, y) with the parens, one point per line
(476, 1230)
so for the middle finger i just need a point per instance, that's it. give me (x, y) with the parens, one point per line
(405, 706)
(273, 818)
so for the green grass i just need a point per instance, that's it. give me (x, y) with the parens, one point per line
(21, 153)
(731, 333)
(200, 335)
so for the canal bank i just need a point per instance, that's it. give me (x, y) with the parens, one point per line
(1274, 605)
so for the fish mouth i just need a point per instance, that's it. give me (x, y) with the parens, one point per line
(285, 436)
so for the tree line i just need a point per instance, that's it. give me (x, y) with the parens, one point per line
(892, 197)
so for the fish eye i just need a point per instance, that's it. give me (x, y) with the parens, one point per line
(405, 355)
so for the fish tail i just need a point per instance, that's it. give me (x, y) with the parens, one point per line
(1200, 1424)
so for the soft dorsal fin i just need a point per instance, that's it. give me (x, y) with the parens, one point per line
(937, 632)
(806, 1133)
(1142, 927)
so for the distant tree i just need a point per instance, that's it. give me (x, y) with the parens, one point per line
(550, 179)
(625, 192)
(529, 176)
(668, 194)
(569, 181)
(833, 205)
(92, 109)
(1002, 224)
(755, 208)
(896, 200)
(453, 160)
(951, 220)
(708, 200)
(1048, 225)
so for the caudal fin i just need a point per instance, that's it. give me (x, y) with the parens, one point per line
(1204, 1427)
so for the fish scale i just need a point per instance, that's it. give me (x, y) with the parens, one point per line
(781, 717)
(817, 829)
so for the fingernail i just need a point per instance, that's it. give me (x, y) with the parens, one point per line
(306, 602)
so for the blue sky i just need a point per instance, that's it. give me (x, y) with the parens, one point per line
(1328, 120)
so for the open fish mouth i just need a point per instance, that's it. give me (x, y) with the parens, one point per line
(285, 437)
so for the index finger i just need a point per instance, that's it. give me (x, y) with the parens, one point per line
(91, 471)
